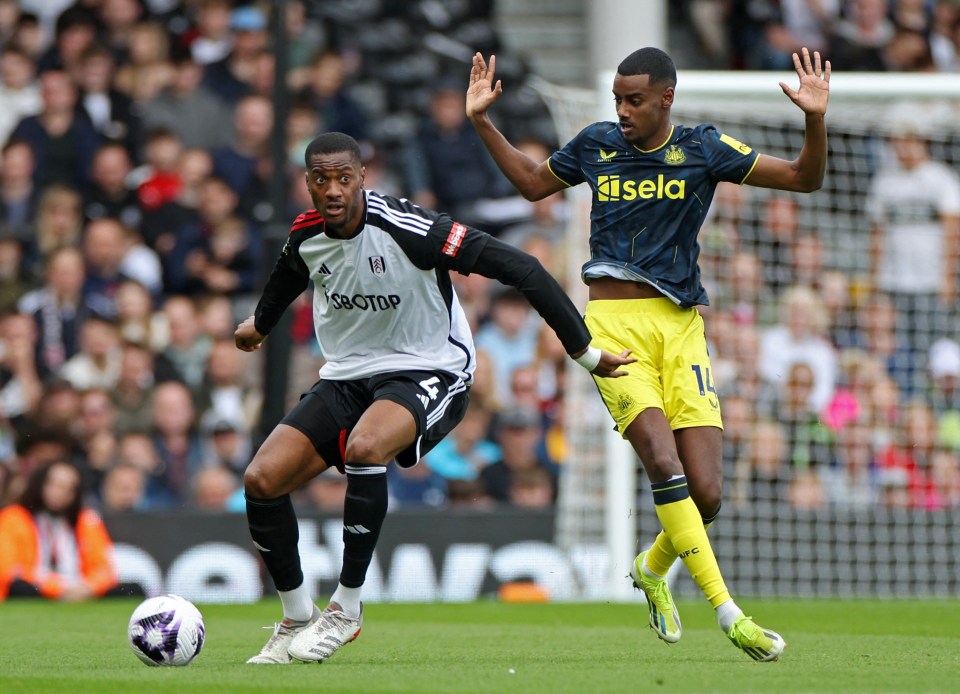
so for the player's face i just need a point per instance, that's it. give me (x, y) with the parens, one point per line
(643, 110)
(335, 183)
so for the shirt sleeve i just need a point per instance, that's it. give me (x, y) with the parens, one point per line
(565, 163)
(287, 281)
(727, 159)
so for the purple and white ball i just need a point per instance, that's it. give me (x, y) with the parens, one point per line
(166, 630)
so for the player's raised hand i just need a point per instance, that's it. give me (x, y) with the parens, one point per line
(814, 90)
(247, 337)
(483, 91)
(609, 362)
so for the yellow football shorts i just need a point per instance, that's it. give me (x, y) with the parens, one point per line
(672, 371)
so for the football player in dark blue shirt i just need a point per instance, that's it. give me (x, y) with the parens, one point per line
(652, 184)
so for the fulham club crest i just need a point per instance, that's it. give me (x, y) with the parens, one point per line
(377, 266)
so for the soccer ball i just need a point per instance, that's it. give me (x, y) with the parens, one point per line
(166, 630)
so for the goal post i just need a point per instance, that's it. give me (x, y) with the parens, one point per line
(604, 498)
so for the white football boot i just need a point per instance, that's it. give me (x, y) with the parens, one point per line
(275, 650)
(324, 637)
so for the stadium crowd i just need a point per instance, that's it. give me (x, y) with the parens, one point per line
(134, 202)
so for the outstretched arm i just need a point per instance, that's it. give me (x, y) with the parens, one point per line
(512, 266)
(805, 173)
(533, 179)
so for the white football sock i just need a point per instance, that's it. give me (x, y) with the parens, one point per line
(727, 614)
(348, 599)
(297, 603)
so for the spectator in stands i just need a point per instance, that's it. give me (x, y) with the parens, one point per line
(800, 336)
(148, 69)
(188, 108)
(446, 165)
(858, 42)
(118, 17)
(61, 137)
(415, 487)
(218, 255)
(835, 291)
(95, 434)
(104, 246)
(136, 448)
(28, 36)
(327, 493)
(189, 348)
(230, 77)
(883, 341)
(533, 488)
(76, 30)
(775, 240)
(226, 442)
(467, 450)
(109, 193)
(20, 385)
(325, 92)
(158, 178)
(51, 545)
(19, 196)
(58, 224)
(15, 281)
(914, 208)
(59, 309)
(244, 163)
(19, 92)
(210, 39)
(768, 32)
(111, 112)
(809, 443)
(908, 51)
(518, 432)
(227, 393)
(212, 487)
(123, 489)
(548, 216)
(910, 458)
(853, 482)
(97, 363)
(762, 473)
(176, 437)
(944, 391)
(194, 166)
(131, 394)
(510, 337)
(136, 317)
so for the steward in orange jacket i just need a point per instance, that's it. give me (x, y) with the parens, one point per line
(25, 552)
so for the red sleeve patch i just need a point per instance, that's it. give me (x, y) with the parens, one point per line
(305, 219)
(454, 239)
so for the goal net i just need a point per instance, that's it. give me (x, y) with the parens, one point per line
(834, 349)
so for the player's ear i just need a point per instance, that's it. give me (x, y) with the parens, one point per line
(306, 178)
(666, 99)
(363, 172)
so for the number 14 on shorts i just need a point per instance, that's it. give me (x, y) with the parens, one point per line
(704, 380)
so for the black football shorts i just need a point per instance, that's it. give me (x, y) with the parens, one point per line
(327, 413)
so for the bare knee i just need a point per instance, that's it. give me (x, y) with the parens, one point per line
(707, 495)
(662, 466)
(257, 483)
(364, 448)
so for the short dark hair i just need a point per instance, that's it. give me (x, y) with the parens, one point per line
(331, 143)
(650, 61)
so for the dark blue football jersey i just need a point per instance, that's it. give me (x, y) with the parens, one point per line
(648, 206)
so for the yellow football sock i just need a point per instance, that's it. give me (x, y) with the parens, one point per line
(683, 528)
(661, 555)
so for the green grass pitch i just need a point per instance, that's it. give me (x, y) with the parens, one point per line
(833, 646)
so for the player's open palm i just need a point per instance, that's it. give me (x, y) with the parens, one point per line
(814, 90)
(483, 91)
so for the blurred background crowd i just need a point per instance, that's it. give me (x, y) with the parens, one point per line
(135, 205)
